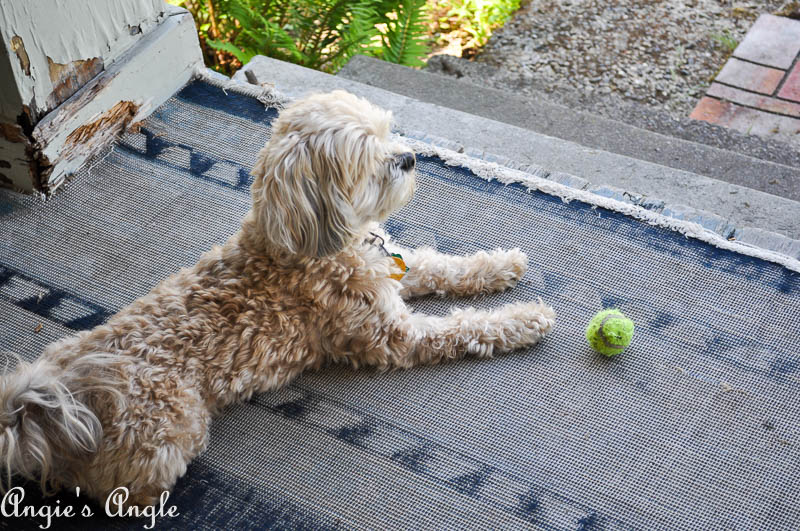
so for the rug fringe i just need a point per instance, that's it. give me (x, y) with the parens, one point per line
(532, 180)
(493, 171)
(265, 93)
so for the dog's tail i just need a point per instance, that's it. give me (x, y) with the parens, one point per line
(44, 416)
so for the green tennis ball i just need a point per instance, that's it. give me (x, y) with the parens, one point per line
(609, 332)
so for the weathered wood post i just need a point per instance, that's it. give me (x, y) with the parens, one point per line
(75, 74)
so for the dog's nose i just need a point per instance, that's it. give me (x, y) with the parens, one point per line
(407, 161)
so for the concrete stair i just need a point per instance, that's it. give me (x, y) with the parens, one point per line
(578, 149)
(657, 119)
(586, 129)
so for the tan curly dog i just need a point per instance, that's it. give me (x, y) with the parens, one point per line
(128, 404)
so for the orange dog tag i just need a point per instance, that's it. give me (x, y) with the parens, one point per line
(401, 264)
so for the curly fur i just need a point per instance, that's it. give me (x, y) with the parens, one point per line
(129, 402)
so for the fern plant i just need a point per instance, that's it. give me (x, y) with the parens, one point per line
(319, 34)
(403, 33)
(469, 23)
(256, 34)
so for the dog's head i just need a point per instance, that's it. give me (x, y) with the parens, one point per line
(329, 168)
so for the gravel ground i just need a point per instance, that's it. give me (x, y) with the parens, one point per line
(644, 62)
(660, 53)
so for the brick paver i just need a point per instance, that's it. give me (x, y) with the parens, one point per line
(713, 110)
(749, 76)
(749, 99)
(755, 122)
(791, 87)
(764, 98)
(772, 41)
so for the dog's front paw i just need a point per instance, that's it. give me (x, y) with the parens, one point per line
(525, 323)
(507, 268)
(513, 326)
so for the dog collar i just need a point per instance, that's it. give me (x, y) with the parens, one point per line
(398, 259)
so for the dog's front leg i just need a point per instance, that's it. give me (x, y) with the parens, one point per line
(419, 339)
(482, 272)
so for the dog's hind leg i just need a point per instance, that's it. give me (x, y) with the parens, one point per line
(149, 447)
(482, 272)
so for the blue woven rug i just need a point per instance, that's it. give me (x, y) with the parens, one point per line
(696, 426)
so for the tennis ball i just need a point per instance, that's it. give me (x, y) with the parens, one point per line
(609, 332)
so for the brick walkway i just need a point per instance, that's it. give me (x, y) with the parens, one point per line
(758, 90)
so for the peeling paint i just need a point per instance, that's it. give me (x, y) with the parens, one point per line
(18, 47)
(68, 78)
(35, 160)
(40, 170)
(66, 31)
(13, 133)
(51, 125)
(96, 69)
(111, 123)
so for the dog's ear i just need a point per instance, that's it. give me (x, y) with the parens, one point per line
(297, 209)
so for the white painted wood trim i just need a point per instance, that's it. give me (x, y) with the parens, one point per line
(125, 92)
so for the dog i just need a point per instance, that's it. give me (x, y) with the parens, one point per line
(308, 279)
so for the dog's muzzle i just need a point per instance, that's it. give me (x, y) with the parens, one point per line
(406, 161)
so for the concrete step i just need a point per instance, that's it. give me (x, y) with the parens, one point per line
(744, 213)
(589, 130)
(640, 115)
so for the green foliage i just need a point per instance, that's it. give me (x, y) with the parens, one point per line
(726, 40)
(403, 36)
(319, 34)
(324, 34)
(256, 34)
(478, 18)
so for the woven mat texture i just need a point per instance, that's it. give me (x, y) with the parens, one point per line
(696, 426)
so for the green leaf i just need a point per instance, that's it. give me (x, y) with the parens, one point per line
(404, 38)
(242, 55)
